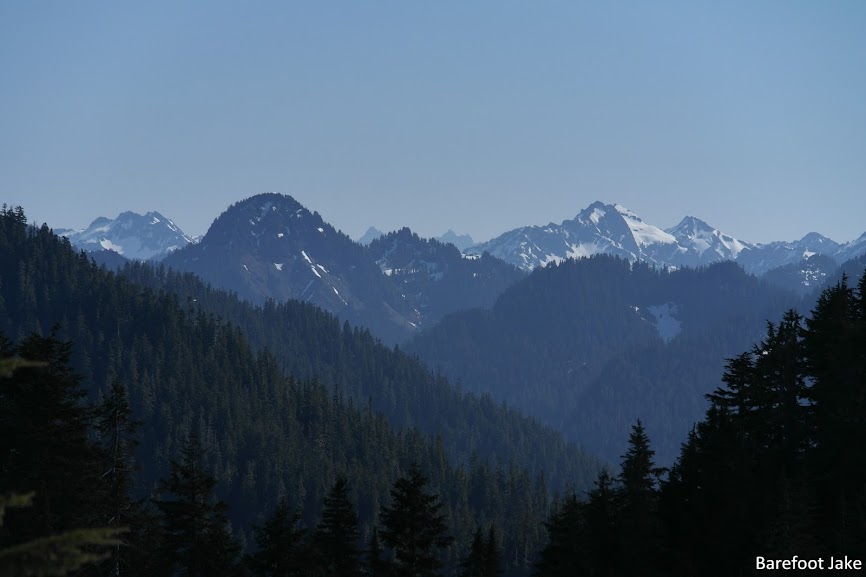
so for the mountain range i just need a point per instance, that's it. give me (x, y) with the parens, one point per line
(397, 284)
(269, 246)
(613, 229)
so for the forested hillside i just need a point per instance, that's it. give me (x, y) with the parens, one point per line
(590, 345)
(267, 434)
(771, 481)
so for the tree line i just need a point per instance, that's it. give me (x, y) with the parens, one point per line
(774, 470)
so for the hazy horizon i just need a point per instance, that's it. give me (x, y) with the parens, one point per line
(478, 118)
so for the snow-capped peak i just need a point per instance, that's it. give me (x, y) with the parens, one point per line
(644, 234)
(135, 236)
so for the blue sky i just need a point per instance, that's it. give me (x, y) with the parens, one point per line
(476, 116)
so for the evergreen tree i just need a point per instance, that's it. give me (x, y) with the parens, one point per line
(564, 554)
(56, 555)
(197, 537)
(118, 433)
(336, 536)
(492, 559)
(473, 565)
(281, 549)
(601, 528)
(414, 527)
(637, 505)
(376, 565)
(45, 443)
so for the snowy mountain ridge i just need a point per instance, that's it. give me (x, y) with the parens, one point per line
(150, 236)
(616, 230)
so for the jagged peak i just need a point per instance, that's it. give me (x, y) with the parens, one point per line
(594, 212)
(691, 224)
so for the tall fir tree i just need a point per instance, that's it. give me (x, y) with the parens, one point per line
(473, 564)
(46, 444)
(118, 433)
(637, 499)
(336, 536)
(414, 526)
(492, 557)
(565, 553)
(197, 538)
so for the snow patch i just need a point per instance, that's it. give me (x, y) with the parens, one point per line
(644, 234)
(667, 325)
(341, 298)
(108, 245)
(596, 215)
(278, 265)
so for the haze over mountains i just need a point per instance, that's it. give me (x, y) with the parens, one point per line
(142, 237)
(598, 229)
(547, 368)
(613, 229)
(285, 251)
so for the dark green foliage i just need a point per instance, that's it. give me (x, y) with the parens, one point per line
(55, 555)
(57, 532)
(576, 345)
(414, 527)
(436, 279)
(483, 558)
(376, 565)
(637, 506)
(336, 537)
(267, 435)
(197, 540)
(473, 564)
(309, 343)
(45, 444)
(773, 469)
(282, 551)
(564, 554)
(492, 563)
(118, 434)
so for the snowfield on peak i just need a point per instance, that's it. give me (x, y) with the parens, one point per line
(151, 236)
(613, 229)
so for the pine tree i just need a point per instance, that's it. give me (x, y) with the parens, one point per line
(118, 432)
(601, 528)
(473, 565)
(637, 503)
(56, 555)
(336, 536)
(46, 444)
(414, 527)
(280, 545)
(197, 539)
(492, 559)
(565, 554)
(376, 565)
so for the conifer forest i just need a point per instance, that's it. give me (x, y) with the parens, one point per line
(154, 424)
